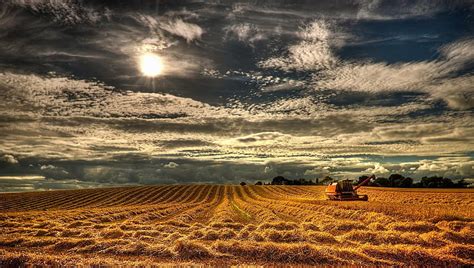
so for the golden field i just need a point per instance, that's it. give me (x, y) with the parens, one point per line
(226, 225)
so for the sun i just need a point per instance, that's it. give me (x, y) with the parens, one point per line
(151, 65)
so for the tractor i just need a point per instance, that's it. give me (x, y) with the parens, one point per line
(343, 190)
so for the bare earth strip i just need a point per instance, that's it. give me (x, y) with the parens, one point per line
(226, 225)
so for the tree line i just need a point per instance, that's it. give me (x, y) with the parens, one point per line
(397, 180)
(394, 180)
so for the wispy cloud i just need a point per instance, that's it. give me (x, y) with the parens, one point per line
(315, 53)
(61, 96)
(389, 10)
(245, 32)
(311, 53)
(425, 76)
(64, 11)
(186, 30)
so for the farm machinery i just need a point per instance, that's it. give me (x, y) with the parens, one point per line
(343, 190)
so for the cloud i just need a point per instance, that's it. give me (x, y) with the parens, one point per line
(8, 158)
(387, 10)
(289, 85)
(64, 11)
(186, 30)
(407, 132)
(377, 77)
(448, 167)
(47, 167)
(378, 169)
(54, 172)
(171, 165)
(457, 134)
(309, 111)
(378, 10)
(40, 183)
(56, 96)
(412, 76)
(30, 177)
(437, 78)
(245, 32)
(416, 138)
(146, 124)
(317, 172)
(433, 167)
(311, 53)
(263, 136)
(458, 92)
(432, 77)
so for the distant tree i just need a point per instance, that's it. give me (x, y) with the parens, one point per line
(437, 182)
(395, 179)
(362, 178)
(448, 183)
(381, 181)
(243, 184)
(258, 183)
(279, 180)
(406, 183)
(326, 180)
(462, 184)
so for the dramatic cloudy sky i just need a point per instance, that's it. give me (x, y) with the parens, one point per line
(248, 90)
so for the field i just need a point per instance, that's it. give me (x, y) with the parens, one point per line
(226, 225)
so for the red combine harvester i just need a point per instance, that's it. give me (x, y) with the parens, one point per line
(344, 190)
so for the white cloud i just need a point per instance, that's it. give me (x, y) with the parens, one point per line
(64, 11)
(263, 136)
(377, 77)
(465, 169)
(171, 165)
(267, 170)
(48, 167)
(56, 96)
(317, 172)
(186, 30)
(288, 85)
(433, 167)
(453, 134)
(425, 76)
(437, 78)
(30, 177)
(457, 92)
(54, 172)
(8, 158)
(154, 124)
(397, 10)
(258, 139)
(378, 169)
(311, 53)
(245, 32)
(411, 131)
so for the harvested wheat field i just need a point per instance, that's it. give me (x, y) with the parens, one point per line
(226, 225)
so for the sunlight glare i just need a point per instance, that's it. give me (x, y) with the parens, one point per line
(151, 65)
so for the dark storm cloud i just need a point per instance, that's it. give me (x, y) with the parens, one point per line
(249, 90)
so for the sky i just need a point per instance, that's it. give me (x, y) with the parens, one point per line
(240, 91)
